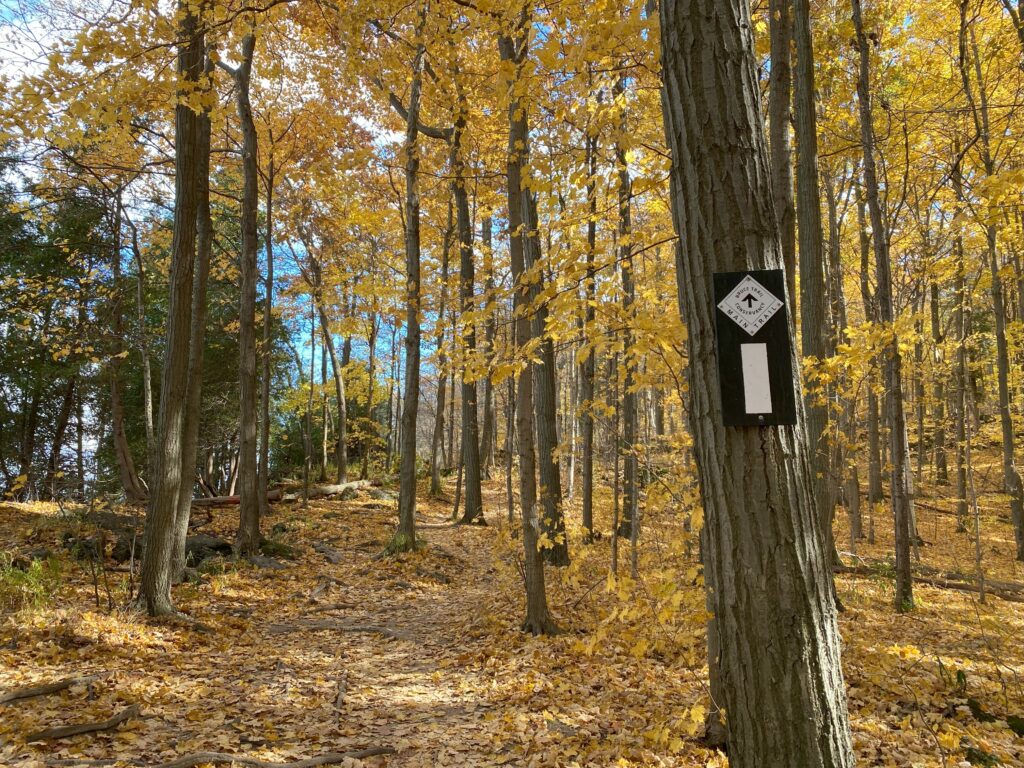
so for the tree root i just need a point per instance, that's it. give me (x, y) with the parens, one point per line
(64, 731)
(331, 758)
(45, 690)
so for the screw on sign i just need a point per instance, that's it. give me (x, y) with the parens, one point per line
(755, 350)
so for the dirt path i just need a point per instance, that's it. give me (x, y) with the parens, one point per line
(284, 662)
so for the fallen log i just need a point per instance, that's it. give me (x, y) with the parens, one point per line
(45, 690)
(64, 731)
(991, 588)
(331, 758)
(315, 492)
(227, 501)
(325, 491)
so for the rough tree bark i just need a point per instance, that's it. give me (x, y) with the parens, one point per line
(247, 540)
(513, 50)
(155, 578)
(814, 316)
(196, 344)
(766, 568)
(467, 277)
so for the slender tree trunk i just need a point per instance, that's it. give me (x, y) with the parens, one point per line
(814, 315)
(587, 367)
(247, 539)
(545, 387)
(488, 437)
(324, 416)
(780, 80)
(513, 51)
(134, 491)
(1012, 485)
(938, 388)
(631, 491)
(196, 344)
(155, 579)
(893, 360)
(405, 536)
(766, 568)
(467, 278)
(147, 374)
(59, 431)
(267, 347)
(371, 425)
(437, 438)
(337, 369)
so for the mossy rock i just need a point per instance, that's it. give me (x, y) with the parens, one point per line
(275, 548)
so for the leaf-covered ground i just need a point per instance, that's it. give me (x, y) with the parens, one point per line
(421, 653)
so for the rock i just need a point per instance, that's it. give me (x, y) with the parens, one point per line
(382, 494)
(203, 546)
(349, 494)
(122, 551)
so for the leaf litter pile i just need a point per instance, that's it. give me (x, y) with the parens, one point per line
(325, 652)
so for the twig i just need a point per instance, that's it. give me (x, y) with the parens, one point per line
(45, 690)
(331, 758)
(73, 730)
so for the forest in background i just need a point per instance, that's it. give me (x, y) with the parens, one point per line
(284, 285)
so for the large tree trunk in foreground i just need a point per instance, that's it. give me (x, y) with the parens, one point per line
(766, 569)
(155, 579)
(248, 537)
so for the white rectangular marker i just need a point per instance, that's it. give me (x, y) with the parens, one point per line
(757, 392)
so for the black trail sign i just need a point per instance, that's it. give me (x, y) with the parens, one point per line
(754, 349)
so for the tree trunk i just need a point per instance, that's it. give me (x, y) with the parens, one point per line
(155, 579)
(815, 321)
(513, 51)
(265, 351)
(437, 438)
(247, 540)
(473, 507)
(197, 343)
(780, 77)
(588, 366)
(1012, 485)
(766, 568)
(893, 361)
(629, 523)
(488, 436)
(938, 389)
(544, 388)
(405, 536)
(337, 369)
(59, 431)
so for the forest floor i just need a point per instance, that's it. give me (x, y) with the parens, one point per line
(421, 653)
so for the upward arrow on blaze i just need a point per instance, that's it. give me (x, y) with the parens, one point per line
(750, 299)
